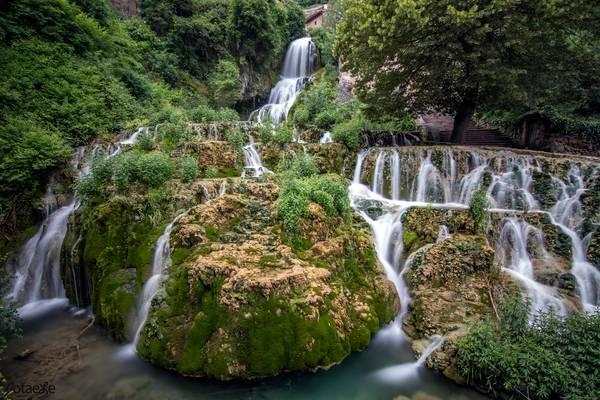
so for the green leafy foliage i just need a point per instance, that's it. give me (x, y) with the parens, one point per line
(552, 357)
(236, 138)
(188, 168)
(329, 191)
(125, 170)
(224, 83)
(324, 39)
(283, 134)
(301, 165)
(478, 210)
(349, 132)
(456, 56)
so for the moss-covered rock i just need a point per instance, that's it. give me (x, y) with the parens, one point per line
(242, 301)
(453, 283)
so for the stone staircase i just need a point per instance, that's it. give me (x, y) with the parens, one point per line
(481, 137)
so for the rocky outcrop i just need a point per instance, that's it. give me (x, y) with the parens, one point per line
(242, 300)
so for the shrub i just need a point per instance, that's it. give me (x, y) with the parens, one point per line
(236, 138)
(283, 134)
(211, 172)
(329, 191)
(349, 132)
(188, 168)
(227, 115)
(300, 166)
(301, 116)
(125, 170)
(145, 141)
(551, 357)
(155, 168)
(174, 134)
(326, 119)
(478, 210)
(266, 133)
(203, 113)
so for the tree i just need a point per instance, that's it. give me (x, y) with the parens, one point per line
(455, 55)
(224, 83)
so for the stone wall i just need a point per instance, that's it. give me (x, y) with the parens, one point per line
(535, 132)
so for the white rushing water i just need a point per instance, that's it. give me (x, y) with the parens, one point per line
(326, 138)
(37, 282)
(298, 65)
(398, 180)
(161, 261)
(253, 164)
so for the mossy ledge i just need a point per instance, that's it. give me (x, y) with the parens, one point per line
(244, 301)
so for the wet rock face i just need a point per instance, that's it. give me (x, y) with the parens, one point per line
(244, 301)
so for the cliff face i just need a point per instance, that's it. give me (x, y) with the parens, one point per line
(127, 8)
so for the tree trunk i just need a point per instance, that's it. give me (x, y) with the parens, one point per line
(462, 118)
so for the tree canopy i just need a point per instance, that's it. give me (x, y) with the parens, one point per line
(456, 56)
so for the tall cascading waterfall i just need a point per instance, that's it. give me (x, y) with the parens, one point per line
(401, 178)
(37, 282)
(298, 65)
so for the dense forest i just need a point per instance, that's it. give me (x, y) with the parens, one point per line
(74, 71)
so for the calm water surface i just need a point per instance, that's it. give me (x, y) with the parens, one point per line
(93, 366)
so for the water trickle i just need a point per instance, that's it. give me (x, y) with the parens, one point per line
(298, 65)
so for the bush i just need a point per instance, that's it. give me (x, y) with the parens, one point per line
(236, 138)
(283, 134)
(155, 168)
(227, 115)
(211, 172)
(478, 211)
(145, 141)
(188, 168)
(349, 132)
(552, 357)
(301, 116)
(203, 113)
(300, 166)
(174, 134)
(266, 133)
(326, 119)
(329, 191)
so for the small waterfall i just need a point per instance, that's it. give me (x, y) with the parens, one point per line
(253, 167)
(408, 371)
(37, 277)
(298, 65)
(161, 261)
(326, 138)
(513, 255)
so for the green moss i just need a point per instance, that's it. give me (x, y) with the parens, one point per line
(212, 233)
(408, 237)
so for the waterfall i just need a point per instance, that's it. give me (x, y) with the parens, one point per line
(513, 255)
(253, 167)
(399, 178)
(161, 261)
(37, 278)
(298, 65)
(326, 138)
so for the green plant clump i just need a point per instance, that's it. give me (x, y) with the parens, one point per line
(478, 211)
(549, 358)
(329, 191)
